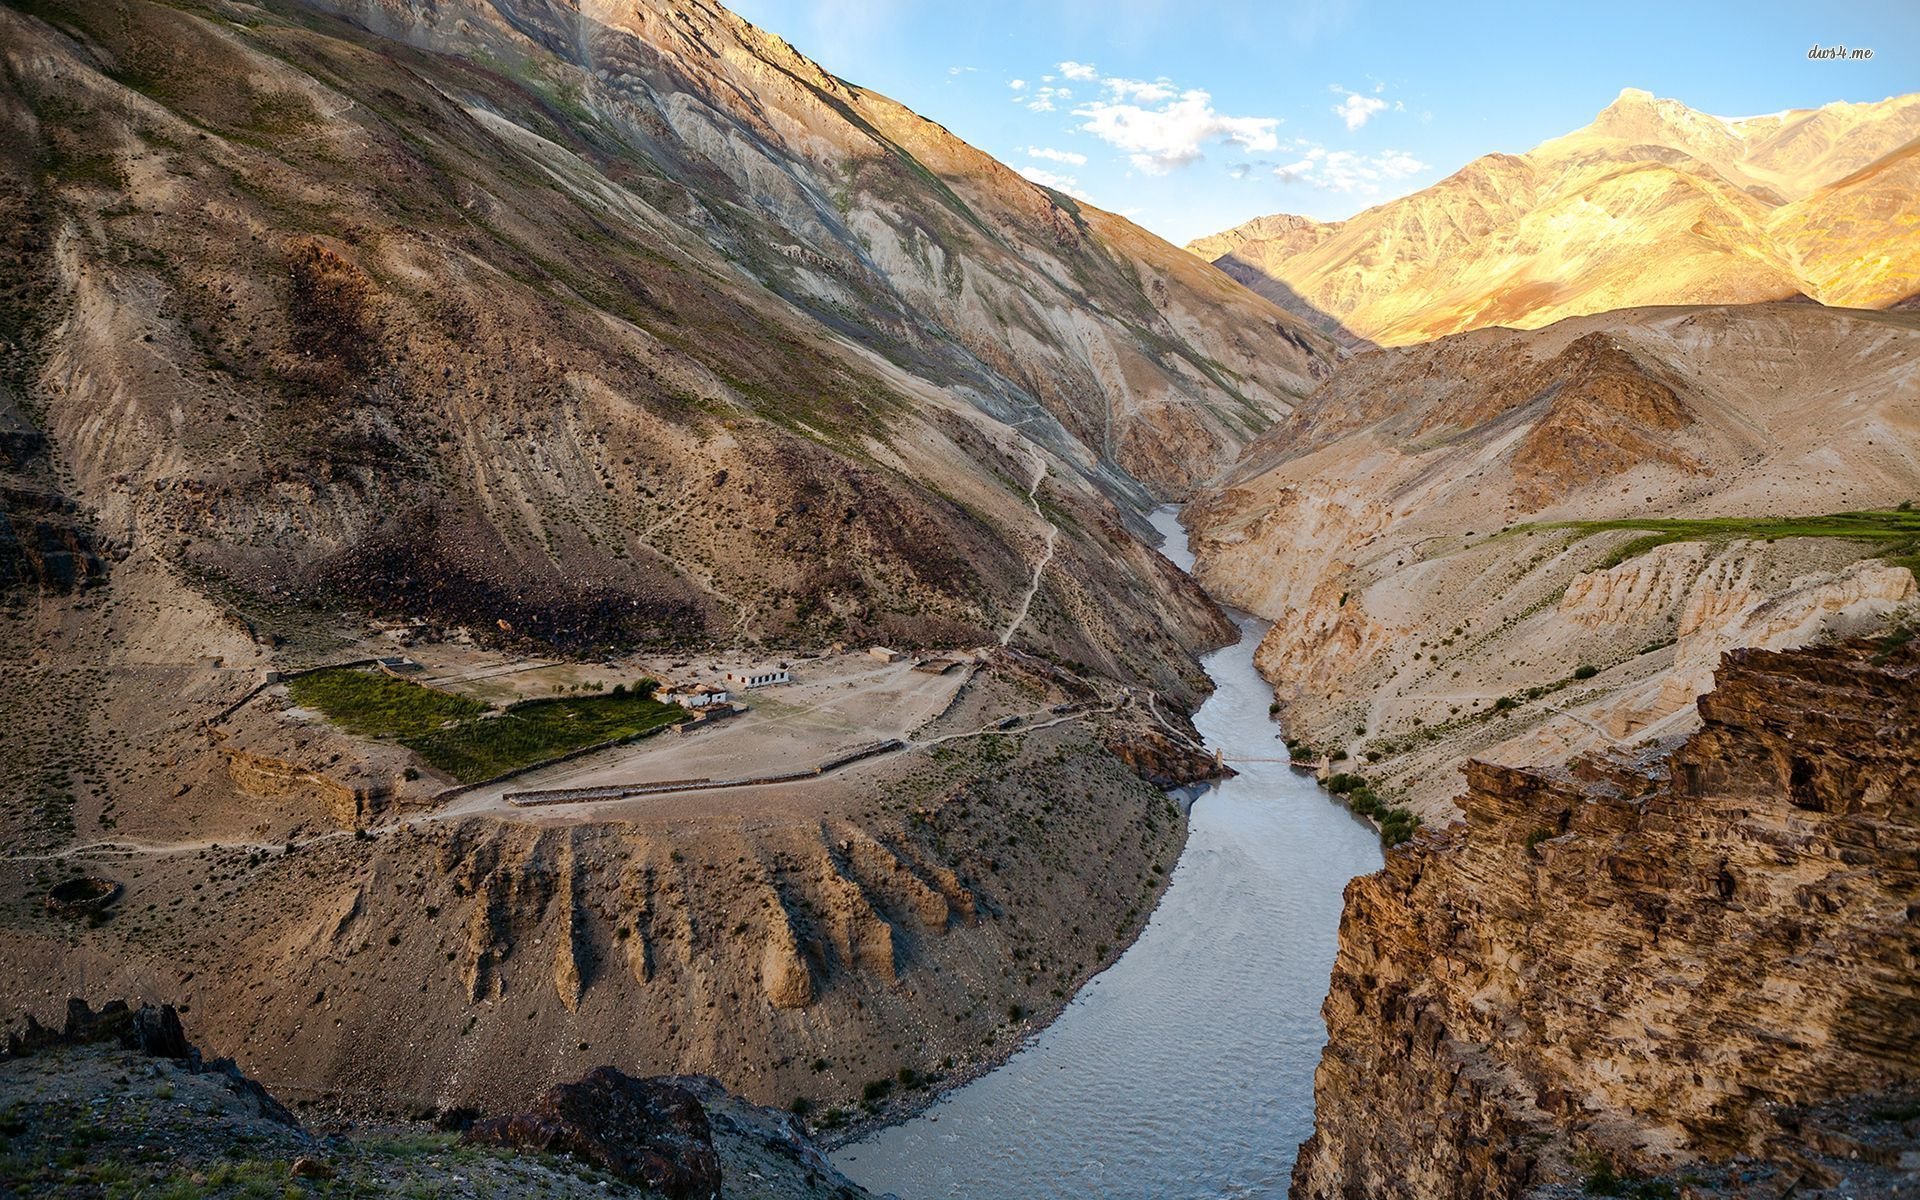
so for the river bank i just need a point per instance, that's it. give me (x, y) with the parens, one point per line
(1215, 1009)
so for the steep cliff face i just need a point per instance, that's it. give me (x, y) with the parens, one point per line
(1653, 203)
(1643, 963)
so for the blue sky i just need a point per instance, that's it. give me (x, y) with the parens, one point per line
(1192, 115)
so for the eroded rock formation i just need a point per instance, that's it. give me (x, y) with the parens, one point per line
(1643, 964)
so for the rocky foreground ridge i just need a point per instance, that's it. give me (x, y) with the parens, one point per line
(119, 1102)
(1701, 967)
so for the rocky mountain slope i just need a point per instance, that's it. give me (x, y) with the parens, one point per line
(1414, 531)
(537, 332)
(1691, 973)
(643, 330)
(1653, 203)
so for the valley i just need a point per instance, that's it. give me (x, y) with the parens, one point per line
(588, 602)
(1474, 547)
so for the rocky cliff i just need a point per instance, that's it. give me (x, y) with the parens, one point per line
(1649, 967)
(1653, 203)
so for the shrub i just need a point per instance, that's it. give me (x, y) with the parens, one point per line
(1397, 825)
(1585, 671)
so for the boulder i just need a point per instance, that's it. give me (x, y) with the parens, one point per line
(646, 1131)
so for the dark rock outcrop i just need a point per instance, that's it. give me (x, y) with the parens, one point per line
(649, 1131)
(1166, 763)
(1647, 966)
(152, 1030)
(45, 540)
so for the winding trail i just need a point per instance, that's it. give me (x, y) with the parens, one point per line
(1039, 568)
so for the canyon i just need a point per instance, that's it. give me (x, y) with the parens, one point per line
(547, 338)
(509, 365)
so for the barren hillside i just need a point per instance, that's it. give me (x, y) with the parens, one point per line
(1444, 535)
(527, 340)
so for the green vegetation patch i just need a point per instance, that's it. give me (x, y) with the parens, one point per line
(1898, 528)
(462, 737)
(1397, 824)
(374, 704)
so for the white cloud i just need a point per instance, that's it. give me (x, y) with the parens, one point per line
(1059, 183)
(1084, 72)
(1068, 157)
(1044, 96)
(1345, 171)
(961, 70)
(1356, 109)
(1174, 134)
(1140, 90)
(1018, 85)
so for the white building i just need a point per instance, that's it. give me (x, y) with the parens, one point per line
(696, 696)
(759, 677)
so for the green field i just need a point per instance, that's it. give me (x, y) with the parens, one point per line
(454, 733)
(376, 705)
(1897, 529)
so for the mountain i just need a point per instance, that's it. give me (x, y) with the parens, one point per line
(539, 351)
(1444, 536)
(504, 313)
(1653, 203)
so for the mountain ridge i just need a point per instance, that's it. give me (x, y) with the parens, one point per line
(1813, 202)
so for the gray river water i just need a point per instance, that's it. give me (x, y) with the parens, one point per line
(1186, 1068)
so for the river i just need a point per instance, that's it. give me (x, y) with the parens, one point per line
(1186, 1068)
